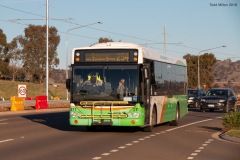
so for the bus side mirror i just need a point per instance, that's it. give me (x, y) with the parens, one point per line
(68, 84)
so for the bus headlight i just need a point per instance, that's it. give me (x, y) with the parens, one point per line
(130, 115)
(136, 115)
(133, 115)
(73, 114)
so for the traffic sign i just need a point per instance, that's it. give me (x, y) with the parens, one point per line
(22, 90)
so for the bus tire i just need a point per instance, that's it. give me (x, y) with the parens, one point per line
(177, 117)
(154, 121)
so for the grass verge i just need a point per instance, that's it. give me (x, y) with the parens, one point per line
(10, 88)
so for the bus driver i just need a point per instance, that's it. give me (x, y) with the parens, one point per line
(121, 88)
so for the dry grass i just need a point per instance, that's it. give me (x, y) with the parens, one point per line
(234, 133)
(10, 88)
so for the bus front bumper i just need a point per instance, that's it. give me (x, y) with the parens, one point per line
(107, 122)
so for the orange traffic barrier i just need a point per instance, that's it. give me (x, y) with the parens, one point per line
(56, 98)
(17, 103)
(41, 102)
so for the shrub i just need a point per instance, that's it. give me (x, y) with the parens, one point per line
(231, 120)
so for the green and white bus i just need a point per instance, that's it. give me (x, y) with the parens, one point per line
(125, 84)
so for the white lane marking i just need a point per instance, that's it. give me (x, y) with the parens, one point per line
(4, 123)
(6, 140)
(106, 154)
(114, 150)
(1, 120)
(189, 124)
(150, 136)
(210, 140)
(195, 153)
(122, 147)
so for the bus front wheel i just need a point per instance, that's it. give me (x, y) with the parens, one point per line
(177, 117)
(153, 119)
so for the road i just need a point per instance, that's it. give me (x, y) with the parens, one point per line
(45, 134)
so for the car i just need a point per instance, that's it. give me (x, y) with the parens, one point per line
(219, 98)
(194, 97)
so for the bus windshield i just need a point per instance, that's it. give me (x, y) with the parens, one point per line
(105, 83)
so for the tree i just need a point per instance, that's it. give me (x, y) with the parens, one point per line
(192, 70)
(4, 59)
(104, 40)
(15, 56)
(34, 50)
(206, 62)
(3, 41)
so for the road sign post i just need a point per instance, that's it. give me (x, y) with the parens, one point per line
(22, 90)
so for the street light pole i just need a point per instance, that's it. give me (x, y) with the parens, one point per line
(67, 48)
(47, 49)
(198, 62)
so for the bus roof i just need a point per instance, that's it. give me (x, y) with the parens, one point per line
(144, 52)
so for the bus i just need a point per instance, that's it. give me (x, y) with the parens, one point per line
(125, 84)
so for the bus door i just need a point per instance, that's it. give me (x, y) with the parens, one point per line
(146, 91)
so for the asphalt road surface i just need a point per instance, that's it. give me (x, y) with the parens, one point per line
(46, 135)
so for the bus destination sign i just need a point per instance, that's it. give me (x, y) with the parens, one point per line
(107, 57)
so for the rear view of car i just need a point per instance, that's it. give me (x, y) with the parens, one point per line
(219, 98)
(194, 97)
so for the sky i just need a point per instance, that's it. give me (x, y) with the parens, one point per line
(192, 26)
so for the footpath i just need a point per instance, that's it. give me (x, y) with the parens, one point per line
(225, 136)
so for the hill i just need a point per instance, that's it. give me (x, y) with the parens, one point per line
(227, 74)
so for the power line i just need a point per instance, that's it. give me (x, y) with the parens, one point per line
(14, 22)
(77, 35)
(122, 35)
(63, 20)
(21, 11)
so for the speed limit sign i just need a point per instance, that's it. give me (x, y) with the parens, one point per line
(22, 90)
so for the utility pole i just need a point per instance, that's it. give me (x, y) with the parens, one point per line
(164, 41)
(47, 49)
